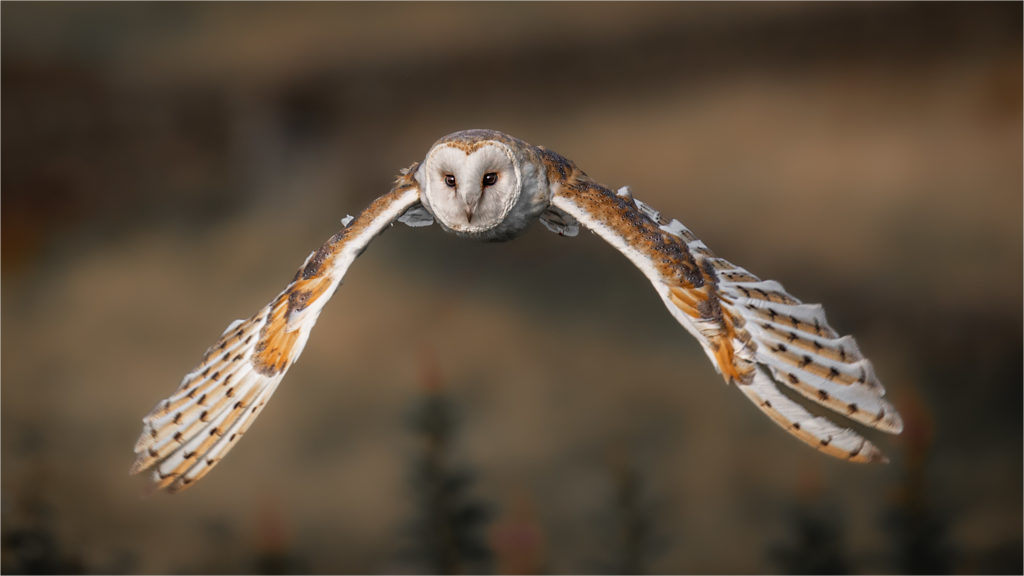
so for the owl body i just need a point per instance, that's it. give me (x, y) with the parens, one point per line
(486, 185)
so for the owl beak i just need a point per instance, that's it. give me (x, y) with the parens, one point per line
(470, 201)
(471, 209)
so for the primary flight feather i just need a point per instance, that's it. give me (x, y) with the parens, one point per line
(487, 185)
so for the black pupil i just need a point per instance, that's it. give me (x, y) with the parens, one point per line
(490, 178)
(450, 180)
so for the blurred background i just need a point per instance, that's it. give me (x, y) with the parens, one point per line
(518, 407)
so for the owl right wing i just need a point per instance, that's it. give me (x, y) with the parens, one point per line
(755, 333)
(187, 434)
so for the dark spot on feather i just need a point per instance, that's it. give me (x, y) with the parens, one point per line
(745, 291)
(880, 415)
(817, 345)
(248, 338)
(761, 292)
(851, 408)
(855, 451)
(556, 162)
(186, 481)
(842, 354)
(225, 357)
(781, 347)
(205, 372)
(832, 373)
(793, 378)
(237, 406)
(298, 299)
(805, 360)
(863, 376)
(237, 357)
(177, 418)
(823, 394)
(709, 271)
(223, 344)
(152, 452)
(794, 321)
(766, 404)
(710, 310)
(817, 327)
(215, 431)
(792, 336)
(152, 432)
(233, 436)
(216, 375)
(796, 425)
(177, 437)
(202, 417)
(316, 263)
(210, 461)
(230, 392)
(228, 378)
(772, 314)
(202, 399)
(188, 455)
(826, 441)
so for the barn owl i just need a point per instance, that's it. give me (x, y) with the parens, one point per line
(487, 185)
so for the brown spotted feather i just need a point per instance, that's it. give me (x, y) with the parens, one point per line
(755, 332)
(187, 434)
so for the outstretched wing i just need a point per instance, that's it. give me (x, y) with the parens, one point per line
(754, 332)
(187, 434)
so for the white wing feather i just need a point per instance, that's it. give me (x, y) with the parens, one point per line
(187, 434)
(751, 329)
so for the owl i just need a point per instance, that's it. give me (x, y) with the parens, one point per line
(486, 185)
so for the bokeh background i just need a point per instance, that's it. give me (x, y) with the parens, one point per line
(527, 406)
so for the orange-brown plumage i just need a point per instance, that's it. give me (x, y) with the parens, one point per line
(190, 432)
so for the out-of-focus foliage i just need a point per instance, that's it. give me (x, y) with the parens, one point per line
(447, 534)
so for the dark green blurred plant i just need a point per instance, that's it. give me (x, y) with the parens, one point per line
(814, 542)
(31, 541)
(448, 532)
(918, 529)
(634, 520)
(37, 550)
(626, 536)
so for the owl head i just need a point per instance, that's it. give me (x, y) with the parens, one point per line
(473, 181)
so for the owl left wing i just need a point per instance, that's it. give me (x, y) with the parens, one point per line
(754, 332)
(187, 434)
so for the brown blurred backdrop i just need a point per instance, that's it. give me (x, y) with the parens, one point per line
(166, 167)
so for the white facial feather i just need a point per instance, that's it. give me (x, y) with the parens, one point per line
(470, 191)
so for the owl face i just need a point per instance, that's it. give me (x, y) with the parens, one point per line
(470, 184)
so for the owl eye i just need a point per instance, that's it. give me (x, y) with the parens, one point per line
(449, 180)
(490, 178)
